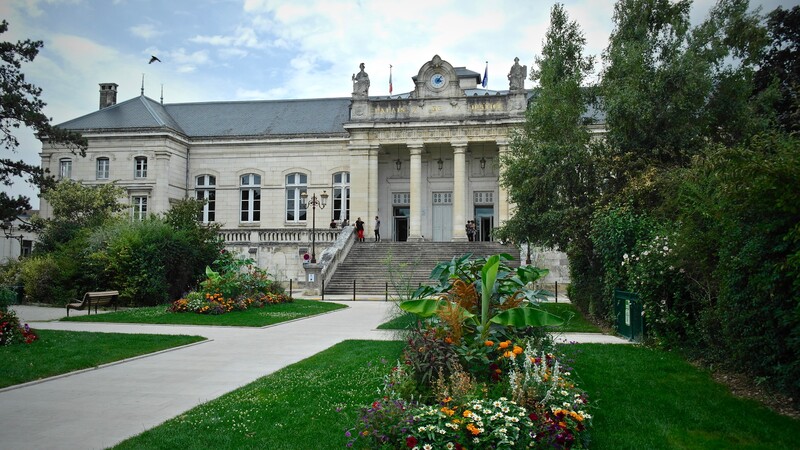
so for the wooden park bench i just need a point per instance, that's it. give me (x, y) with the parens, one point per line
(95, 299)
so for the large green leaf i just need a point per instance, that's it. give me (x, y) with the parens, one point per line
(526, 317)
(428, 307)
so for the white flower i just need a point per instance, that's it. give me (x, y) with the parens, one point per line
(503, 431)
(564, 393)
(427, 447)
(449, 446)
(625, 256)
(421, 429)
(476, 441)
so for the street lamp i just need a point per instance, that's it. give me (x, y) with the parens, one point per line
(314, 202)
(8, 231)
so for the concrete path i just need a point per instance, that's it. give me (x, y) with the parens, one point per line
(98, 408)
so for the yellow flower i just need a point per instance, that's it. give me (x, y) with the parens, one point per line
(466, 413)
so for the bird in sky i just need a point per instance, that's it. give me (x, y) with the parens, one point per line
(153, 59)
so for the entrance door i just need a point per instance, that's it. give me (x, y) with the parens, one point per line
(400, 229)
(442, 216)
(484, 221)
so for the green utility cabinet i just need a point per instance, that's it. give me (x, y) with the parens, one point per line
(628, 313)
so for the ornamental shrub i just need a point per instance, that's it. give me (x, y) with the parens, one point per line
(45, 281)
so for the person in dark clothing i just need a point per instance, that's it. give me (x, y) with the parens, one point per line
(377, 229)
(360, 229)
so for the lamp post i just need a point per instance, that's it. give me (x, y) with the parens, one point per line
(8, 231)
(322, 201)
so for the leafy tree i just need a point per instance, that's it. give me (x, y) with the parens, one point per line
(780, 67)
(76, 207)
(549, 168)
(21, 105)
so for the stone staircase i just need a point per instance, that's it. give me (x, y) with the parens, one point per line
(403, 265)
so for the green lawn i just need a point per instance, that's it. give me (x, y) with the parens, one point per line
(294, 408)
(57, 352)
(255, 317)
(645, 399)
(576, 323)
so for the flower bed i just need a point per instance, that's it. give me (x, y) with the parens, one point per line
(237, 285)
(11, 332)
(479, 371)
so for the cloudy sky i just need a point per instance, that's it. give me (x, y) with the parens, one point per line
(274, 49)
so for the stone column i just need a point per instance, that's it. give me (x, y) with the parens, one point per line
(505, 208)
(372, 201)
(359, 182)
(415, 187)
(459, 190)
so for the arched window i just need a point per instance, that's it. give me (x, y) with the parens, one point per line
(140, 167)
(341, 196)
(205, 189)
(250, 196)
(102, 168)
(296, 183)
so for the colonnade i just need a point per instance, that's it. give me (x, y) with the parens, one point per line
(364, 182)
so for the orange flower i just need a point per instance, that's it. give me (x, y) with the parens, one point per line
(447, 400)
(562, 424)
(517, 350)
(448, 340)
(466, 413)
(447, 411)
(505, 344)
(473, 429)
(508, 354)
(488, 343)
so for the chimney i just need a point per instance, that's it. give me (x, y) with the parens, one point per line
(108, 94)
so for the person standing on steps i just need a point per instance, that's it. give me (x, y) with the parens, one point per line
(360, 229)
(377, 229)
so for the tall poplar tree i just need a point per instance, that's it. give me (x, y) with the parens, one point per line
(549, 172)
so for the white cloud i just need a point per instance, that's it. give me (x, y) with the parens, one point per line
(145, 31)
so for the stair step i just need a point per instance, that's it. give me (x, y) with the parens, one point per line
(402, 264)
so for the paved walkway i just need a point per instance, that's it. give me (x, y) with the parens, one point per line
(99, 408)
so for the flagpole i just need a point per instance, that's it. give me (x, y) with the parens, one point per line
(390, 79)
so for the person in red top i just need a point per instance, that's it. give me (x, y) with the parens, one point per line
(360, 229)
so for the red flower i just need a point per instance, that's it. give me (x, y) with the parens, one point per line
(411, 442)
(533, 417)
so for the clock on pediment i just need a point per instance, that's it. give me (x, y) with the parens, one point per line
(435, 80)
(438, 80)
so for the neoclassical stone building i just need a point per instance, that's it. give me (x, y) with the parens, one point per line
(425, 161)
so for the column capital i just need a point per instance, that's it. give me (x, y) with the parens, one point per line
(415, 147)
(502, 142)
(459, 144)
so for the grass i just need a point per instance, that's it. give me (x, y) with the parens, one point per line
(656, 400)
(255, 317)
(645, 399)
(58, 352)
(576, 323)
(294, 408)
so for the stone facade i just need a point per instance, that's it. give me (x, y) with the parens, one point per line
(425, 162)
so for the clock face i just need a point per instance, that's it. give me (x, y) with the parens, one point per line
(438, 80)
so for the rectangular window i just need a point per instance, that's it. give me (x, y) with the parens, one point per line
(139, 207)
(341, 203)
(141, 167)
(251, 205)
(442, 198)
(208, 212)
(65, 169)
(401, 198)
(483, 197)
(102, 168)
(27, 248)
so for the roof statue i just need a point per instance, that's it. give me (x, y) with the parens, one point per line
(361, 83)
(516, 78)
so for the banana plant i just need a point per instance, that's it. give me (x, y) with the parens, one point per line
(492, 286)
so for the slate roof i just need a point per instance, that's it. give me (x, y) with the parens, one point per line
(220, 119)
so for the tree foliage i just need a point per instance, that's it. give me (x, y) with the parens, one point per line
(549, 168)
(21, 105)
